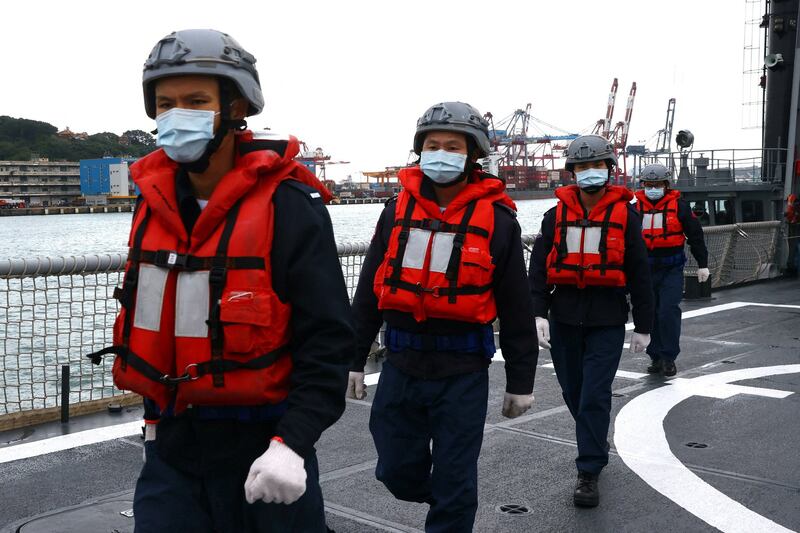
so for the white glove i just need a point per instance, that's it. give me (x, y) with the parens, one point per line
(543, 332)
(703, 274)
(355, 386)
(278, 476)
(149, 434)
(516, 404)
(639, 341)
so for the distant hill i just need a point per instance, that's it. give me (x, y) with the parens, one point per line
(20, 137)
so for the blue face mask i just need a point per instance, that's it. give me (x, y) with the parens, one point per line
(592, 179)
(184, 133)
(441, 166)
(654, 193)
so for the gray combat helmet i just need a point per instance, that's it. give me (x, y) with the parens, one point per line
(655, 172)
(202, 52)
(456, 117)
(589, 148)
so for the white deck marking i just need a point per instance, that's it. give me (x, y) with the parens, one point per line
(723, 307)
(93, 436)
(66, 442)
(642, 444)
(620, 373)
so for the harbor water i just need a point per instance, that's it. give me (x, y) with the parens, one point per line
(102, 233)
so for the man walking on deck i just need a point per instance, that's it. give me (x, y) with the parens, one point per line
(221, 328)
(445, 261)
(588, 255)
(667, 224)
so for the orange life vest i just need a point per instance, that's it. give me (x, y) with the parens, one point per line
(199, 321)
(438, 264)
(589, 249)
(660, 225)
(792, 213)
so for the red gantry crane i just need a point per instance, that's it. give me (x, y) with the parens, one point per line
(522, 147)
(619, 135)
(317, 161)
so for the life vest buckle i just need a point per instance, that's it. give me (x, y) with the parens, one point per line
(433, 291)
(170, 259)
(190, 373)
(216, 276)
(584, 223)
(431, 224)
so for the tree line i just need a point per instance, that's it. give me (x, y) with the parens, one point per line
(21, 138)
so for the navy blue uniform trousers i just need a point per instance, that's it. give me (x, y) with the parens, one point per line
(586, 360)
(207, 494)
(408, 414)
(666, 333)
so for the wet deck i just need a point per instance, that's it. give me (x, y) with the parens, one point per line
(746, 477)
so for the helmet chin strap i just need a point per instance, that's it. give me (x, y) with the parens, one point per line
(226, 124)
(591, 189)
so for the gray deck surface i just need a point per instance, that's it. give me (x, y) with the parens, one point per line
(752, 452)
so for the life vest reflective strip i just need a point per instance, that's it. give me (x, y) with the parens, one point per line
(661, 227)
(588, 249)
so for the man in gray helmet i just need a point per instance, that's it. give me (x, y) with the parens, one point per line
(444, 262)
(588, 257)
(220, 329)
(667, 224)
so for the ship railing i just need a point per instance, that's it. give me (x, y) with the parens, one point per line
(722, 166)
(54, 311)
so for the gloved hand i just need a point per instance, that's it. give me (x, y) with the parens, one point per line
(149, 435)
(516, 404)
(639, 342)
(543, 332)
(703, 274)
(355, 386)
(278, 476)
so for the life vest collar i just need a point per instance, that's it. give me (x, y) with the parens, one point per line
(480, 185)
(661, 203)
(571, 193)
(255, 157)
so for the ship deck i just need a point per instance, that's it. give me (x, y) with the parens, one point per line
(715, 448)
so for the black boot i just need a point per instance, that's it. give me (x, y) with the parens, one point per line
(586, 492)
(655, 366)
(669, 368)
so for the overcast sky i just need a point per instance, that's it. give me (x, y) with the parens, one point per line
(353, 77)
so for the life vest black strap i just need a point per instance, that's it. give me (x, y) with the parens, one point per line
(587, 223)
(131, 281)
(581, 268)
(402, 241)
(127, 357)
(418, 289)
(454, 263)
(435, 225)
(191, 263)
(603, 246)
(216, 281)
(661, 235)
(563, 251)
(193, 371)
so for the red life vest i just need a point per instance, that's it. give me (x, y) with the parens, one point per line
(438, 264)
(660, 225)
(792, 213)
(199, 320)
(589, 249)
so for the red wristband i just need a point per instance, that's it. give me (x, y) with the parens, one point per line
(277, 438)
